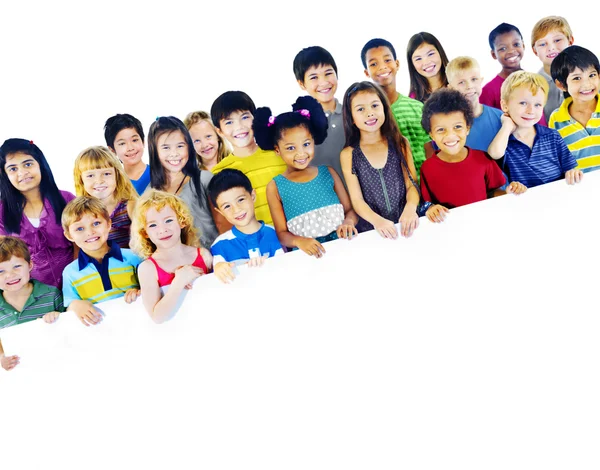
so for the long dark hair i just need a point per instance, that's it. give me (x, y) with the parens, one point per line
(158, 178)
(389, 128)
(13, 202)
(419, 85)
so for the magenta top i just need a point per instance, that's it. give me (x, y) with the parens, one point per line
(50, 250)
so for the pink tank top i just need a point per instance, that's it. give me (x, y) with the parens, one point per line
(165, 278)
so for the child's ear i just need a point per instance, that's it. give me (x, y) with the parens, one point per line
(68, 236)
(276, 149)
(535, 52)
(571, 41)
(560, 86)
(503, 106)
(253, 195)
(30, 266)
(301, 83)
(493, 55)
(367, 74)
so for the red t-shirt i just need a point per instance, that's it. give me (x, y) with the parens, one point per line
(458, 184)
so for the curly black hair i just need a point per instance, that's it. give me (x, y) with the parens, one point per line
(446, 101)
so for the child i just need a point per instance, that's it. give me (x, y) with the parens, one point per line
(31, 208)
(576, 72)
(464, 76)
(233, 113)
(125, 137)
(380, 63)
(175, 170)
(163, 233)
(317, 74)
(102, 271)
(549, 37)
(250, 241)
(378, 164)
(427, 62)
(310, 206)
(456, 175)
(506, 44)
(23, 299)
(533, 154)
(99, 173)
(209, 145)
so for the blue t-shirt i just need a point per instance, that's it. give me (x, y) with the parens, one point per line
(142, 183)
(235, 246)
(484, 129)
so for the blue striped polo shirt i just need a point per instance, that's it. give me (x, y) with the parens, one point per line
(548, 160)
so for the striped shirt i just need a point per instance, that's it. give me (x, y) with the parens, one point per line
(235, 246)
(583, 142)
(43, 299)
(548, 160)
(87, 279)
(408, 114)
(120, 225)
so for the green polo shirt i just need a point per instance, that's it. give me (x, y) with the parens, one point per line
(43, 299)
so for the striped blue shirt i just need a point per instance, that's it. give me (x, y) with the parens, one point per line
(548, 160)
(235, 246)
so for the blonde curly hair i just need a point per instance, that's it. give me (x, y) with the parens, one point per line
(153, 198)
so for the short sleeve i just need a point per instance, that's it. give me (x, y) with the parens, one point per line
(69, 292)
(58, 301)
(425, 195)
(494, 178)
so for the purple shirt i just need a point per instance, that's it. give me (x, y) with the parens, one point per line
(50, 250)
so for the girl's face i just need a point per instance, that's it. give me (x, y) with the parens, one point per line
(100, 183)
(367, 111)
(172, 151)
(162, 227)
(296, 147)
(205, 141)
(427, 60)
(23, 171)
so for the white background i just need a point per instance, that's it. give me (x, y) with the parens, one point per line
(472, 345)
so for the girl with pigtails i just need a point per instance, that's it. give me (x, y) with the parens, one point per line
(309, 205)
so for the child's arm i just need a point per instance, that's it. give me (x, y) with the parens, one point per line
(83, 309)
(348, 227)
(310, 246)
(497, 148)
(409, 219)
(207, 257)
(385, 228)
(8, 362)
(436, 212)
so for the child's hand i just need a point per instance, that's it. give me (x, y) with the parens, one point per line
(257, 262)
(386, 228)
(224, 271)
(311, 247)
(409, 221)
(86, 312)
(508, 123)
(436, 213)
(187, 274)
(51, 317)
(131, 295)
(573, 176)
(346, 231)
(516, 188)
(9, 362)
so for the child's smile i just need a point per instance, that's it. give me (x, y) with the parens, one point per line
(296, 147)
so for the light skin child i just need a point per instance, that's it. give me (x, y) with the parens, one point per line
(90, 234)
(321, 83)
(468, 82)
(102, 184)
(548, 47)
(129, 148)
(237, 206)
(16, 290)
(164, 231)
(522, 111)
(450, 131)
(173, 155)
(206, 143)
(368, 116)
(583, 87)
(428, 63)
(508, 51)
(297, 149)
(237, 130)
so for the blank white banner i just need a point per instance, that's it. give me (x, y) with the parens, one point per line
(473, 344)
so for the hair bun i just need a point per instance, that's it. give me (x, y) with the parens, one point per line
(263, 134)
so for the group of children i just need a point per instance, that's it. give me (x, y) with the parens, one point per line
(240, 185)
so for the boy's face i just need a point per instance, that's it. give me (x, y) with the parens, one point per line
(468, 82)
(509, 50)
(162, 227)
(381, 66)
(129, 146)
(582, 85)
(449, 132)
(89, 233)
(320, 83)
(100, 183)
(237, 129)
(237, 206)
(548, 47)
(23, 171)
(14, 274)
(524, 107)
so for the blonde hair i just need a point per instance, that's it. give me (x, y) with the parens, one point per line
(80, 206)
(96, 158)
(523, 79)
(194, 118)
(459, 64)
(153, 198)
(13, 246)
(550, 23)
